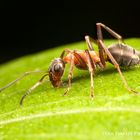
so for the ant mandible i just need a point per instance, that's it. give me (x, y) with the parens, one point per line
(118, 54)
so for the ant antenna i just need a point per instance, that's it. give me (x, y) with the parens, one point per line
(19, 78)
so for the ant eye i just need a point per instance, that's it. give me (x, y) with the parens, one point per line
(57, 68)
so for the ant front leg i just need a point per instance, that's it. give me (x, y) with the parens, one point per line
(63, 53)
(33, 87)
(116, 66)
(70, 72)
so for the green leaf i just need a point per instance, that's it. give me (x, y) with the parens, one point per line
(114, 113)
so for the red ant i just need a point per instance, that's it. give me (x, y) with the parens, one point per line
(119, 54)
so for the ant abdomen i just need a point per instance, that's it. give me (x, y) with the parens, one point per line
(125, 55)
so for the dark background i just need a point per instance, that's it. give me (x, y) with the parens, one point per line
(56, 23)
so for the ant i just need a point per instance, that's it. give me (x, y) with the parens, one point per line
(118, 54)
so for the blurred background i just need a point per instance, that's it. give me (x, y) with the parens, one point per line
(62, 22)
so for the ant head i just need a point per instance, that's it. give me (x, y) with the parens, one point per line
(56, 71)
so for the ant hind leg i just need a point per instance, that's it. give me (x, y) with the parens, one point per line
(117, 67)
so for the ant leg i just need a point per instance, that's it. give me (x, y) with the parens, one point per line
(70, 73)
(89, 41)
(91, 71)
(63, 53)
(116, 66)
(19, 78)
(113, 33)
(33, 87)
